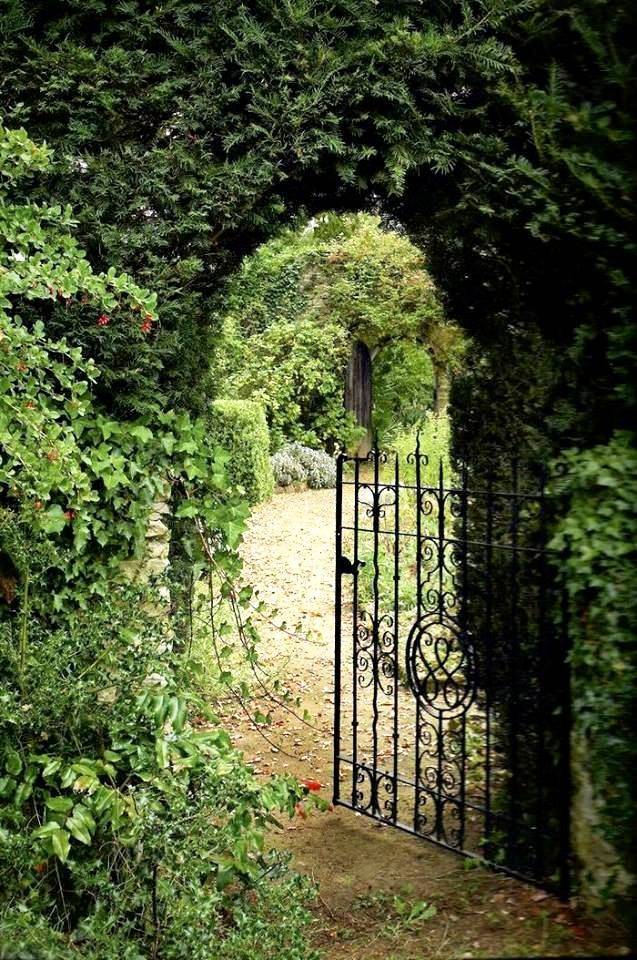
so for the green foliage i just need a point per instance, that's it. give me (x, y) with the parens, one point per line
(598, 535)
(123, 822)
(41, 264)
(374, 281)
(403, 388)
(129, 826)
(65, 468)
(240, 427)
(298, 303)
(295, 370)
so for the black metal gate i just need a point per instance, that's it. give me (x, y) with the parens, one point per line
(451, 681)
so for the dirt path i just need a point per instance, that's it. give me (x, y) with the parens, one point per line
(373, 880)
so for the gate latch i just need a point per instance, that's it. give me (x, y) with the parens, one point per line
(345, 565)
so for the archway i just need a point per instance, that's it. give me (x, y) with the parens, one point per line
(402, 103)
(315, 315)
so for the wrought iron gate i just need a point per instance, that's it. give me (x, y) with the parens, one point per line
(451, 683)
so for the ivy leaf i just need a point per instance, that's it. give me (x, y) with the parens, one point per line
(233, 531)
(140, 432)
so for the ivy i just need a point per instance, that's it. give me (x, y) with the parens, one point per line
(598, 536)
(115, 776)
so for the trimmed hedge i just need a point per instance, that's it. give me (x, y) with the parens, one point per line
(240, 426)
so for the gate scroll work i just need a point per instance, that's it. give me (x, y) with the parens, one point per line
(451, 679)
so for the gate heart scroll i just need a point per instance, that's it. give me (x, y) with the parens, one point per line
(440, 666)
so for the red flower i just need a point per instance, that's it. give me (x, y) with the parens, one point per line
(312, 785)
(147, 325)
(70, 515)
(102, 320)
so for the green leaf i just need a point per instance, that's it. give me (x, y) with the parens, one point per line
(61, 844)
(79, 830)
(47, 829)
(52, 767)
(161, 752)
(59, 804)
(13, 763)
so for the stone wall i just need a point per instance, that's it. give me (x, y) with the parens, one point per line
(155, 560)
(599, 869)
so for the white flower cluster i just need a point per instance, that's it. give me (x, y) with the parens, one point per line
(296, 463)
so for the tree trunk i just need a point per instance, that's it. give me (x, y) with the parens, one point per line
(442, 388)
(358, 393)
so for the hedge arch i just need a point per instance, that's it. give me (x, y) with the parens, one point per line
(188, 137)
(498, 133)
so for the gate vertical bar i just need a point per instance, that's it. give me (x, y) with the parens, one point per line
(464, 622)
(375, 634)
(440, 744)
(542, 666)
(418, 615)
(488, 653)
(396, 624)
(565, 751)
(513, 708)
(355, 637)
(337, 627)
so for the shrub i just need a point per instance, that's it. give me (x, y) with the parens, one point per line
(296, 462)
(240, 427)
(293, 310)
(296, 370)
(111, 792)
(319, 467)
(129, 826)
(598, 535)
(287, 469)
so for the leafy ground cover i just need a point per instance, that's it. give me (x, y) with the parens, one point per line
(129, 825)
